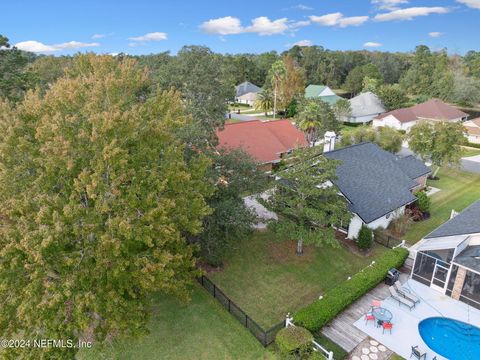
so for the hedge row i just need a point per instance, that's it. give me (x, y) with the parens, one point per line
(473, 145)
(319, 313)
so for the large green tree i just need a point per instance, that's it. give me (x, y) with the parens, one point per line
(307, 202)
(386, 137)
(440, 142)
(314, 118)
(392, 96)
(96, 200)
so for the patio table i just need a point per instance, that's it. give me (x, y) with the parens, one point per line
(381, 315)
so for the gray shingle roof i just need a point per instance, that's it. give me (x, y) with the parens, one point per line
(467, 222)
(245, 88)
(413, 167)
(470, 257)
(366, 103)
(372, 180)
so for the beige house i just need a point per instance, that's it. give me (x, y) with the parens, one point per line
(472, 128)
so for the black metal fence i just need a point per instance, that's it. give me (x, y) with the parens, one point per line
(387, 240)
(265, 337)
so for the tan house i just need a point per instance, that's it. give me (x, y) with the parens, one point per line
(472, 128)
(432, 110)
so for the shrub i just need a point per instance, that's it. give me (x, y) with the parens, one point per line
(473, 145)
(423, 201)
(320, 312)
(294, 340)
(400, 225)
(365, 237)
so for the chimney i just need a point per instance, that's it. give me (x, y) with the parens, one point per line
(329, 141)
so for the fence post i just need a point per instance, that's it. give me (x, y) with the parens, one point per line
(330, 355)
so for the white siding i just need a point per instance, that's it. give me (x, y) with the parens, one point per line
(361, 119)
(393, 122)
(383, 222)
(475, 139)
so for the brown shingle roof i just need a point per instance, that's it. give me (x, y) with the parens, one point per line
(471, 130)
(264, 141)
(402, 115)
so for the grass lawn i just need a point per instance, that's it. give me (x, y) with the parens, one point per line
(346, 129)
(267, 279)
(458, 190)
(469, 151)
(201, 329)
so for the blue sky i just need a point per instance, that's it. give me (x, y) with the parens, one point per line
(142, 27)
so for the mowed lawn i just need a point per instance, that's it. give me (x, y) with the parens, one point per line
(201, 329)
(459, 189)
(267, 279)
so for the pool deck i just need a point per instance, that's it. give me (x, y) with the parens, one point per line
(405, 322)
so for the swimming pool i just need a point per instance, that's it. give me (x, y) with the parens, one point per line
(451, 338)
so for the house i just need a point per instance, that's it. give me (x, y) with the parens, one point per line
(323, 92)
(472, 129)
(432, 110)
(377, 184)
(448, 259)
(246, 93)
(365, 107)
(266, 142)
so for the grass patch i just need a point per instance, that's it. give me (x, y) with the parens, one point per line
(338, 352)
(267, 279)
(468, 151)
(459, 189)
(201, 329)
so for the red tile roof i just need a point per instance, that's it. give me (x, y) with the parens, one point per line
(264, 141)
(432, 109)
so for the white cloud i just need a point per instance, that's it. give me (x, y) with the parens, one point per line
(262, 25)
(303, 43)
(227, 25)
(372, 44)
(410, 13)
(153, 36)
(98, 36)
(299, 24)
(303, 7)
(337, 19)
(389, 4)
(435, 34)
(38, 47)
(474, 4)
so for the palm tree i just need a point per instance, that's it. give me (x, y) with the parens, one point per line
(308, 120)
(264, 101)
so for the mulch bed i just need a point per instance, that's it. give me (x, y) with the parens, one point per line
(350, 244)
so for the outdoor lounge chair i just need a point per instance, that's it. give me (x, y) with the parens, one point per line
(406, 293)
(418, 353)
(401, 300)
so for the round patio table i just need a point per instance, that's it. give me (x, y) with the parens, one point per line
(382, 315)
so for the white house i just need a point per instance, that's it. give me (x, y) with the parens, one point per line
(432, 110)
(248, 98)
(472, 129)
(377, 184)
(365, 107)
(246, 93)
(448, 259)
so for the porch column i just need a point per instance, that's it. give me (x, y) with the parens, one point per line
(458, 284)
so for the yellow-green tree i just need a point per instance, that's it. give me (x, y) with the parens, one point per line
(96, 199)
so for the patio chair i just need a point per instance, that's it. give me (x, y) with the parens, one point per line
(369, 317)
(401, 300)
(387, 325)
(406, 293)
(418, 353)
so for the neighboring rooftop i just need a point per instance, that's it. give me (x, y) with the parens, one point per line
(375, 181)
(366, 103)
(467, 222)
(323, 92)
(264, 141)
(245, 88)
(314, 90)
(470, 257)
(432, 109)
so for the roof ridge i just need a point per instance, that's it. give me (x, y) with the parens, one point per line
(350, 146)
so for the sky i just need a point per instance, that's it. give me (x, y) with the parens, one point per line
(253, 26)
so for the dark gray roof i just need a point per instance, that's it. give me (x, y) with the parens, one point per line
(467, 222)
(412, 166)
(372, 180)
(245, 88)
(470, 257)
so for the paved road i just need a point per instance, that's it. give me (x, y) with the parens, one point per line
(470, 164)
(241, 117)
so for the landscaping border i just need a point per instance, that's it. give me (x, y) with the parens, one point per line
(265, 337)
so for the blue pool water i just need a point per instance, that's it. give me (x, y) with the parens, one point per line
(452, 339)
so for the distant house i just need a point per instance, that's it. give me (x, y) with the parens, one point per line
(448, 259)
(323, 92)
(246, 93)
(472, 128)
(377, 184)
(432, 110)
(365, 107)
(267, 142)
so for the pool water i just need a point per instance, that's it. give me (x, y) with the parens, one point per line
(452, 339)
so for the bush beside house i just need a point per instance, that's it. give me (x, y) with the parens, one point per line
(319, 313)
(295, 341)
(365, 238)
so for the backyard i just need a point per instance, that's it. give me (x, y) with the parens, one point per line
(458, 190)
(267, 279)
(201, 329)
